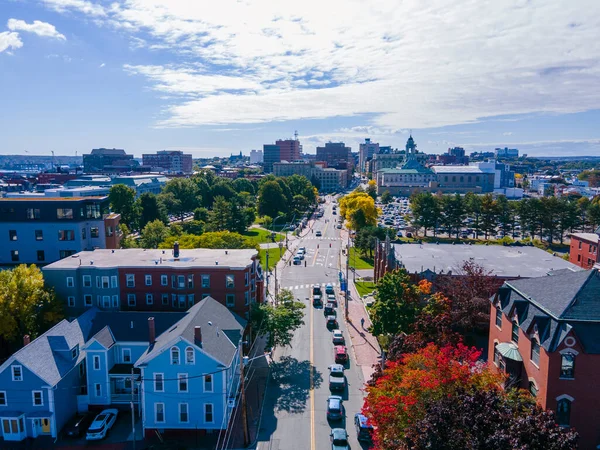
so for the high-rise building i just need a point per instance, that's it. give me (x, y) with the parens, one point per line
(506, 152)
(256, 156)
(365, 154)
(289, 150)
(169, 161)
(270, 156)
(336, 155)
(108, 160)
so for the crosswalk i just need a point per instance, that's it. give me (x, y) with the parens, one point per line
(314, 238)
(307, 286)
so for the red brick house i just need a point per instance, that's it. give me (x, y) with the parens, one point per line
(545, 335)
(584, 249)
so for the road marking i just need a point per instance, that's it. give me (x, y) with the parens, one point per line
(315, 258)
(312, 384)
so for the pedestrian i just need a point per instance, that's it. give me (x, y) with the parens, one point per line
(362, 323)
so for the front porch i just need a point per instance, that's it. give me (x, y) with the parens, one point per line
(122, 376)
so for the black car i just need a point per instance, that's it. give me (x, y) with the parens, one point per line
(332, 322)
(78, 425)
(329, 310)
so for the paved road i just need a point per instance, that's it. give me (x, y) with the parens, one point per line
(294, 414)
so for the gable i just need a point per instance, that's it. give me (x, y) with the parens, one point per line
(94, 345)
(30, 379)
(161, 361)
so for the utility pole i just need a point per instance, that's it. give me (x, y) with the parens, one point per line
(347, 264)
(132, 408)
(244, 406)
(276, 302)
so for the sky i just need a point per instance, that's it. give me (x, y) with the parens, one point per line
(214, 78)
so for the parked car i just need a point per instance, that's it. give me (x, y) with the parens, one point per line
(297, 260)
(340, 354)
(338, 337)
(339, 226)
(329, 289)
(332, 322)
(331, 299)
(300, 255)
(318, 233)
(329, 310)
(102, 424)
(78, 424)
(364, 431)
(337, 380)
(335, 407)
(339, 439)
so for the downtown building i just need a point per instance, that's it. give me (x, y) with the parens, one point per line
(156, 280)
(337, 156)
(284, 150)
(169, 161)
(41, 230)
(109, 160)
(329, 179)
(365, 155)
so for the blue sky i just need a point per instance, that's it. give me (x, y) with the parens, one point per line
(213, 78)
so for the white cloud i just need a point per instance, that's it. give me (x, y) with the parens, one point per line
(10, 40)
(507, 133)
(101, 65)
(402, 64)
(42, 29)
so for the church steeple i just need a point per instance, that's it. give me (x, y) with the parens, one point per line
(411, 147)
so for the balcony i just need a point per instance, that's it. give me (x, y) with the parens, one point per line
(124, 397)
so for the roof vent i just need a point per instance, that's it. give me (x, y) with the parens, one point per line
(74, 256)
(156, 262)
(210, 323)
(216, 263)
(132, 324)
(91, 262)
(226, 252)
(163, 252)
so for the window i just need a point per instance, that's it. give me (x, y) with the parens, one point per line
(229, 281)
(498, 316)
(126, 355)
(189, 355)
(12, 235)
(453, 179)
(106, 301)
(208, 383)
(14, 255)
(3, 401)
(39, 235)
(149, 299)
(64, 213)
(66, 235)
(96, 362)
(71, 301)
(578, 258)
(165, 299)
(175, 356)
(105, 283)
(563, 412)
(159, 384)
(98, 389)
(246, 278)
(183, 413)
(230, 300)
(87, 281)
(208, 413)
(83, 234)
(94, 232)
(590, 250)
(75, 352)
(33, 213)
(131, 300)
(535, 351)
(65, 253)
(113, 281)
(205, 295)
(181, 301)
(159, 412)
(87, 300)
(92, 211)
(17, 373)
(190, 281)
(579, 245)
(130, 280)
(496, 355)
(182, 382)
(81, 369)
(115, 301)
(567, 366)
(191, 300)
(181, 281)
(246, 298)
(515, 332)
(533, 390)
(148, 280)
(41, 256)
(164, 280)
(205, 281)
(38, 400)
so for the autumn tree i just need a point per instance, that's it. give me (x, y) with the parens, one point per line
(359, 209)
(372, 189)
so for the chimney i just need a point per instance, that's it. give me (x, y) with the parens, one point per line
(151, 331)
(176, 250)
(198, 336)
(26, 340)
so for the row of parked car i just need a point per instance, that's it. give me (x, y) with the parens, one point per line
(97, 427)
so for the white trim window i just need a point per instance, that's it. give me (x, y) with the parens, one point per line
(98, 389)
(191, 300)
(190, 356)
(17, 373)
(159, 382)
(126, 355)
(148, 280)
(205, 281)
(3, 399)
(87, 300)
(209, 413)
(71, 301)
(131, 300)
(184, 416)
(37, 398)
(70, 282)
(175, 360)
(230, 300)
(164, 280)
(96, 362)
(115, 301)
(182, 382)
(165, 299)
(190, 281)
(246, 298)
(105, 282)
(149, 299)
(113, 281)
(230, 281)
(208, 383)
(106, 301)
(130, 278)
(87, 281)
(159, 413)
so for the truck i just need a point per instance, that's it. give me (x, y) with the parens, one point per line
(317, 295)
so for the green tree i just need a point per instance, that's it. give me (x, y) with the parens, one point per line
(210, 239)
(271, 199)
(583, 205)
(549, 217)
(426, 210)
(473, 208)
(506, 215)
(194, 227)
(26, 306)
(299, 205)
(153, 234)
(180, 196)
(489, 214)
(567, 217)
(224, 189)
(201, 214)
(386, 197)
(221, 216)
(594, 214)
(244, 185)
(372, 189)
(126, 240)
(151, 208)
(122, 201)
(278, 322)
(454, 212)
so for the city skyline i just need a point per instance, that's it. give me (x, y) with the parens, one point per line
(149, 75)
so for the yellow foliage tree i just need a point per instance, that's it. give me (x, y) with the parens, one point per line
(359, 210)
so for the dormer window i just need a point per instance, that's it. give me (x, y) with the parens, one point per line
(515, 331)
(175, 356)
(189, 355)
(535, 351)
(498, 316)
(567, 366)
(75, 352)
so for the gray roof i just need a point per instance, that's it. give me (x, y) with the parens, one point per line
(222, 331)
(504, 261)
(49, 356)
(457, 169)
(138, 257)
(591, 237)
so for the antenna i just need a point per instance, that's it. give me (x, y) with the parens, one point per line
(53, 165)
(295, 135)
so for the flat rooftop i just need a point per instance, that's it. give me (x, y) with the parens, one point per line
(508, 262)
(138, 257)
(52, 199)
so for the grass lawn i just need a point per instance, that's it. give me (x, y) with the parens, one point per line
(261, 236)
(274, 257)
(364, 287)
(359, 262)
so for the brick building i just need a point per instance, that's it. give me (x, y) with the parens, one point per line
(156, 280)
(584, 249)
(545, 335)
(169, 161)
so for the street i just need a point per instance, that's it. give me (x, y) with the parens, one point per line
(294, 415)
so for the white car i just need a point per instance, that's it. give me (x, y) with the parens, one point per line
(337, 337)
(101, 424)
